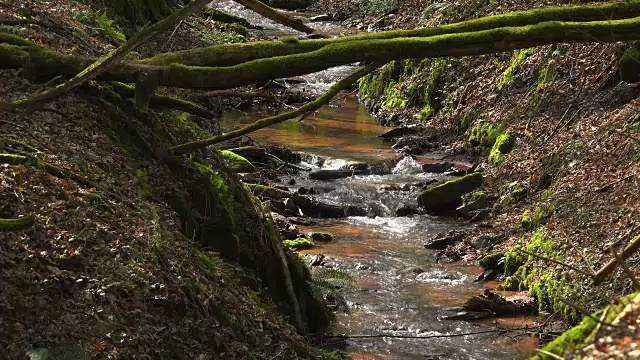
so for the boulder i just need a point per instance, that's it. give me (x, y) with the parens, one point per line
(437, 168)
(479, 215)
(476, 201)
(407, 210)
(441, 240)
(446, 197)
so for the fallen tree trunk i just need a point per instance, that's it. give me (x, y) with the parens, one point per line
(464, 44)
(311, 106)
(17, 224)
(233, 54)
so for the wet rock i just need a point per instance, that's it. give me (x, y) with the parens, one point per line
(326, 175)
(479, 215)
(362, 267)
(446, 197)
(289, 233)
(468, 316)
(437, 168)
(321, 17)
(289, 204)
(389, 188)
(321, 237)
(291, 181)
(484, 241)
(352, 210)
(380, 168)
(407, 210)
(519, 304)
(301, 221)
(441, 240)
(478, 202)
(316, 260)
(492, 261)
(399, 132)
(355, 167)
(487, 275)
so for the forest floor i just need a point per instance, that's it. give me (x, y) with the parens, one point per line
(105, 272)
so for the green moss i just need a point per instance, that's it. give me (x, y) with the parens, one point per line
(547, 75)
(486, 134)
(290, 40)
(12, 159)
(298, 244)
(513, 260)
(375, 85)
(519, 56)
(142, 182)
(473, 196)
(467, 120)
(432, 102)
(628, 65)
(582, 334)
(396, 99)
(443, 197)
(321, 237)
(16, 224)
(526, 219)
(237, 162)
(492, 261)
(503, 144)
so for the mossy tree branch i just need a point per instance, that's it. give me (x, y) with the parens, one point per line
(341, 53)
(17, 224)
(233, 54)
(305, 109)
(99, 66)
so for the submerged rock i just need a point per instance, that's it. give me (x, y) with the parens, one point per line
(407, 210)
(446, 197)
(441, 240)
(321, 237)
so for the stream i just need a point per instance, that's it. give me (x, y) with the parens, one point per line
(399, 288)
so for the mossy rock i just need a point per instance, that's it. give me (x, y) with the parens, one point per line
(485, 134)
(298, 244)
(237, 162)
(446, 197)
(629, 65)
(503, 144)
(492, 261)
(321, 237)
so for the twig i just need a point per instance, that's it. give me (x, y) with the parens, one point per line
(625, 268)
(611, 265)
(544, 352)
(604, 188)
(557, 262)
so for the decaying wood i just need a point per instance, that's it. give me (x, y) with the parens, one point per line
(613, 264)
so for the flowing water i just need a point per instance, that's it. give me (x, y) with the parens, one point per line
(399, 287)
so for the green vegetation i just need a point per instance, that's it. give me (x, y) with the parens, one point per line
(289, 40)
(377, 7)
(519, 56)
(237, 162)
(321, 237)
(492, 261)
(503, 144)
(467, 120)
(486, 134)
(17, 224)
(431, 101)
(298, 244)
(582, 334)
(101, 21)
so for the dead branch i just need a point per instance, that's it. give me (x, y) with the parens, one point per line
(611, 265)
(277, 16)
(568, 266)
(625, 267)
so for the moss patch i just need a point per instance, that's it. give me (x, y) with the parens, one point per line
(503, 144)
(519, 56)
(321, 237)
(486, 134)
(237, 162)
(492, 261)
(298, 244)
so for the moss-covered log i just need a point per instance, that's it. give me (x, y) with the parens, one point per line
(233, 54)
(465, 44)
(17, 224)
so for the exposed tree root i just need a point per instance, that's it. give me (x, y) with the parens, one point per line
(17, 224)
(25, 158)
(309, 107)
